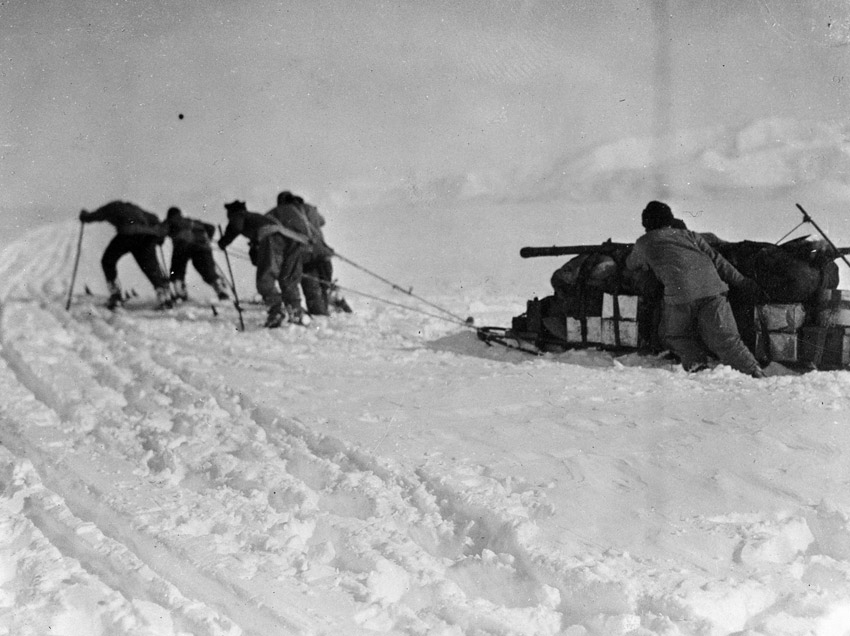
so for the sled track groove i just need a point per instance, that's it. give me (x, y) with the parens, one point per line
(249, 473)
(470, 522)
(80, 486)
(322, 463)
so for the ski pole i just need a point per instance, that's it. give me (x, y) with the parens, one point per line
(223, 276)
(233, 285)
(409, 291)
(808, 219)
(76, 264)
(163, 265)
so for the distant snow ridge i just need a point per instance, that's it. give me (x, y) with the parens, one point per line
(769, 156)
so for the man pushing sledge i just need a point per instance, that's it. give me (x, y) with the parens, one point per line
(698, 319)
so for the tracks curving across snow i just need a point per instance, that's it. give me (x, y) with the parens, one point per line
(225, 515)
(162, 474)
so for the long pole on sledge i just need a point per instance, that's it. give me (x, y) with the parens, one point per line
(76, 265)
(808, 219)
(572, 250)
(408, 291)
(233, 285)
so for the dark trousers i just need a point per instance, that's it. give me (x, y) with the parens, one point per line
(316, 284)
(280, 263)
(200, 256)
(143, 249)
(706, 325)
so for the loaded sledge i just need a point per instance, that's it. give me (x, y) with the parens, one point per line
(598, 303)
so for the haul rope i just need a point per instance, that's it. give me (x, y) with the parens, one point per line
(455, 319)
(408, 291)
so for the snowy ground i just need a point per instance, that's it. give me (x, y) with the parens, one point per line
(385, 472)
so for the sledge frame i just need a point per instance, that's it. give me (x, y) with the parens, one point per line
(817, 351)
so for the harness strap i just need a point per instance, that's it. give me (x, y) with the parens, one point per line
(280, 228)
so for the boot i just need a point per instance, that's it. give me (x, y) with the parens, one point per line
(180, 292)
(275, 317)
(220, 288)
(116, 296)
(163, 298)
(296, 316)
(339, 303)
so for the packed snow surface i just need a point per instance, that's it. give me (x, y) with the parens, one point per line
(384, 472)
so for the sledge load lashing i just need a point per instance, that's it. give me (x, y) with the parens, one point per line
(598, 303)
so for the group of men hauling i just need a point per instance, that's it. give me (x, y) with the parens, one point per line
(286, 245)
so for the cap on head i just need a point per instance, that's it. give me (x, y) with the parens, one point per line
(173, 212)
(656, 215)
(285, 197)
(235, 206)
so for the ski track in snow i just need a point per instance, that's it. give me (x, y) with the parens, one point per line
(248, 475)
(146, 491)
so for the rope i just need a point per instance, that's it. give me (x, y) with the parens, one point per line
(409, 291)
(393, 303)
(485, 334)
(797, 227)
(454, 318)
(808, 219)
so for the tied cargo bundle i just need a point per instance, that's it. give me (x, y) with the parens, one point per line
(785, 318)
(594, 330)
(778, 346)
(827, 348)
(784, 346)
(607, 332)
(619, 333)
(620, 306)
(834, 308)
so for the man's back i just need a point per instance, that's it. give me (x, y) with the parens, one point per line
(128, 218)
(189, 231)
(288, 215)
(685, 264)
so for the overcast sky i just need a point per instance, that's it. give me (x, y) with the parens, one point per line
(191, 102)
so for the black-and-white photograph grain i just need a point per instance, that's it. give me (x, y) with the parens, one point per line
(424, 318)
